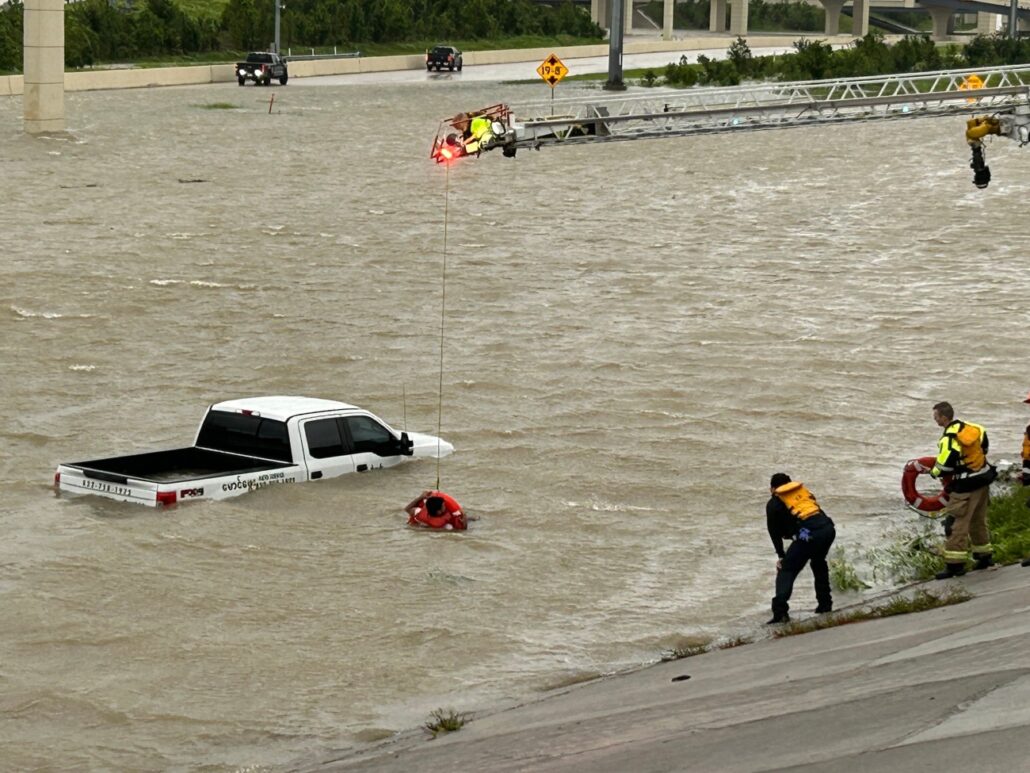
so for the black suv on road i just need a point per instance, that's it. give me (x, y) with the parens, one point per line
(443, 56)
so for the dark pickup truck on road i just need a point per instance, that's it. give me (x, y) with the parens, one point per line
(443, 56)
(261, 67)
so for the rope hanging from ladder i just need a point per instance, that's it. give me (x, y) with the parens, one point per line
(443, 310)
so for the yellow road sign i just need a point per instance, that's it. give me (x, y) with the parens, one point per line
(552, 70)
(971, 83)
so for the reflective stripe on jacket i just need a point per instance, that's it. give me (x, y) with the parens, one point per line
(961, 451)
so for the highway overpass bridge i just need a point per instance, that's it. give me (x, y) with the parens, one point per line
(941, 11)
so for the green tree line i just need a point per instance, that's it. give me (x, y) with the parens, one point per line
(815, 60)
(122, 30)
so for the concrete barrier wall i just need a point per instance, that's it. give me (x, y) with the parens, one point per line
(11, 85)
(92, 80)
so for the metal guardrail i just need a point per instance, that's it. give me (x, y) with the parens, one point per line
(291, 57)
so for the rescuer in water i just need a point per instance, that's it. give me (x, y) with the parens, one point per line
(962, 454)
(436, 510)
(792, 513)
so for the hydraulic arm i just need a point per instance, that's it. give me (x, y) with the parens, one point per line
(1015, 125)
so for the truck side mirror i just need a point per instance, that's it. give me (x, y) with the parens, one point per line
(405, 445)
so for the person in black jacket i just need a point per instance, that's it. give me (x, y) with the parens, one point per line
(792, 513)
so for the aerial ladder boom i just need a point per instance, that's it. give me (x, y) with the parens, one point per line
(998, 99)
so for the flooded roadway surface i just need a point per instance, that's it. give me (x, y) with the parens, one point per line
(636, 336)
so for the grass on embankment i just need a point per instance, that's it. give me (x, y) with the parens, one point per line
(912, 551)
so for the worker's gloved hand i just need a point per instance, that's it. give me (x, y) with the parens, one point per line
(949, 521)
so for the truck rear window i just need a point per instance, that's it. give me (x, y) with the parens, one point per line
(260, 58)
(238, 433)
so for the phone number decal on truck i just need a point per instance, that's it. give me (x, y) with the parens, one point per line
(107, 488)
(249, 484)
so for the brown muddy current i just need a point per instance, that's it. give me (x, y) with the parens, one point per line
(636, 336)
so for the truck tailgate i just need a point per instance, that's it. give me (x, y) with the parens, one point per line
(77, 480)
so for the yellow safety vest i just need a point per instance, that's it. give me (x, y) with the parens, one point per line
(798, 500)
(961, 449)
(479, 127)
(479, 132)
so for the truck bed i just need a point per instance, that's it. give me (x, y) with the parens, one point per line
(174, 465)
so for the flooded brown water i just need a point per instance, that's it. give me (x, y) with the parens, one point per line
(637, 336)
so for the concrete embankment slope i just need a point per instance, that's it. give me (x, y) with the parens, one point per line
(93, 80)
(942, 690)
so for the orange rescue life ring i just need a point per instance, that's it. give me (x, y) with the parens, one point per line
(925, 503)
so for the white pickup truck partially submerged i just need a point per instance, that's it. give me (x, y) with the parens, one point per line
(251, 443)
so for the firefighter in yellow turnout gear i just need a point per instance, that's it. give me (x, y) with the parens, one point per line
(962, 454)
(1025, 477)
(792, 513)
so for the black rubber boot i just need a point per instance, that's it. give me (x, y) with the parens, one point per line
(951, 570)
(824, 608)
(1026, 562)
(779, 617)
(983, 560)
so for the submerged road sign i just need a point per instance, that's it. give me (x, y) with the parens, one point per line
(552, 70)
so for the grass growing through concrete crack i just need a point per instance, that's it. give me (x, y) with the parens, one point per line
(897, 605)
(690, 649)
(686, 651)
(448, 721)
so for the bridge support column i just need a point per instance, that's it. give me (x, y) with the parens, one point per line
(628, 16)
(832, 9)
(738, 17)
(717, 16)
(941, 19)
(599, 13)
(670, 7)
(988, 23)
(860, 18)
(43, 63)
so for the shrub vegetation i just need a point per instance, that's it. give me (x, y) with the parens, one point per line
(870, 55)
